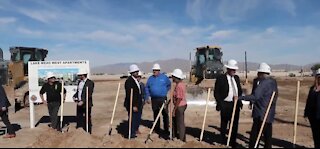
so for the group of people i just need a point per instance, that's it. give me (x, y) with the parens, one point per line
(227, 92)
(53, 90)
(155, 92)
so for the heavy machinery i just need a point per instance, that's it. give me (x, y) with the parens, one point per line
(14, 73)
(207, 65)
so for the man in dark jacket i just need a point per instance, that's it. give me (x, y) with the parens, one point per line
(261, 99)
(80, 97)
(256, 82)
(227, 89)
(133, 83)
(312, 110)
(53, 91)
(143, 96)
(4, 104)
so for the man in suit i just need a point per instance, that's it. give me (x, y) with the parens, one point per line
(133, 83)
(312, 110)
(261, 99)
(4, 104)
(227, 89)
(80, 98)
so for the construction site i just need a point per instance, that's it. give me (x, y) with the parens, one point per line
(215, 74)
(104, 98)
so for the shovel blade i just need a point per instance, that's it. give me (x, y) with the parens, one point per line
(110, 131)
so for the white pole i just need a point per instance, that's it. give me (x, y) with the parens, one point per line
(32, 114)
(265, 119)
(296, 116)
(130, 117)
(232, 119)
(87, 110)
(62, 104)
(114, 108)
(205, 115)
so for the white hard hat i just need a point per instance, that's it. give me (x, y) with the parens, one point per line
(178, 74)
(265, 68)
(318, 72)
(140, 73)
(82, 72)
(133, 68)
(50, 75)
(232, 64)
(156, 67)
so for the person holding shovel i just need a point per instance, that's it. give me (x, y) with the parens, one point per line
(4, 104)
(227, 90)
(180, 105)
(81, 97)
(157, 88)
(132, 84)
(261, 99)
(312, 110)
(53, 90)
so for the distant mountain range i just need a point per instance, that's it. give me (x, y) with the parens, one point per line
(171, 64)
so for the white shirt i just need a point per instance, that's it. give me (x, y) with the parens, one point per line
(80, 88)
(137, 82)
(231, 94)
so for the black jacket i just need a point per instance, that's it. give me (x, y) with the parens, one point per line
(261, 99)
(221, 89)
(312, 109)
(53, 91)
(137, 97)
(90, 85)
(4, 102)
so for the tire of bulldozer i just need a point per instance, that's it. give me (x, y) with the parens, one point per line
(26, 100)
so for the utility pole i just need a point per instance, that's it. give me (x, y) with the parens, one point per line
(246, 66)
(190, 68)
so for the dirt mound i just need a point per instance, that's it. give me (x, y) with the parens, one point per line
(194, 144)
(48, 139)
(76, 138)
(80, 139)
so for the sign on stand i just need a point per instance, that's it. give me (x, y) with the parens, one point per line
(63, 70)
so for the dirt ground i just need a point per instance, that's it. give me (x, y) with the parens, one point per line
(104, 96)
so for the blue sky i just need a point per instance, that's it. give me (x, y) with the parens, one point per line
(113, 31)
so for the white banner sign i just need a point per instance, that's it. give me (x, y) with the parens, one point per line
(66, 70)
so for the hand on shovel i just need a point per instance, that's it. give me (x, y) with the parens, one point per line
(4, 109)
(135, 109)
(80, 103)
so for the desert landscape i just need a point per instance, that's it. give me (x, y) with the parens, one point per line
(104, 97)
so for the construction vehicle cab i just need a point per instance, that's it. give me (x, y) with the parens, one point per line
(14, 72)
(18, 66)
(208, 63)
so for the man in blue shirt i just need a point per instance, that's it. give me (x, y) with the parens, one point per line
(157, 89)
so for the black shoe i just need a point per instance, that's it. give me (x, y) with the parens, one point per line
(133, 137)
(166, 132)
(236, 145)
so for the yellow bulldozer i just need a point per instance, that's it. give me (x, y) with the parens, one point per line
(14, 72)
(207, 64)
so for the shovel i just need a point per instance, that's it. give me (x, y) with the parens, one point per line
(114, 110)
(154, 124)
